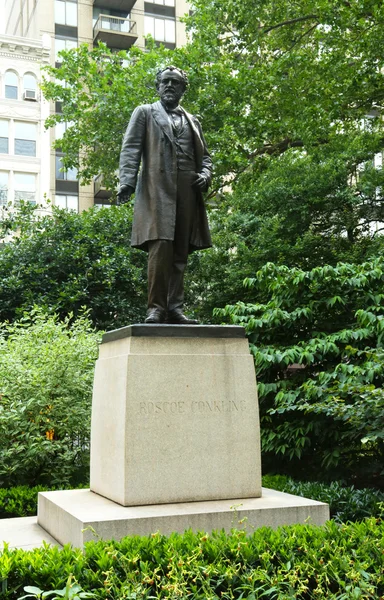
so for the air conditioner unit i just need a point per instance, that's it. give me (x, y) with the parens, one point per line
(30, 95)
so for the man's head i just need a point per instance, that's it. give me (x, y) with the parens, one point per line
(171, 84)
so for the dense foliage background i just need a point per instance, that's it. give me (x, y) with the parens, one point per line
(291, 104)
(67, 261)
(46, 377)
(299, 562)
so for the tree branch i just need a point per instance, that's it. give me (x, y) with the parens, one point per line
(277, 148)
(298, 40)
(291, 22)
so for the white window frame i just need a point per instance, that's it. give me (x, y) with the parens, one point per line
(24, 191)
(6, 121)
(26, 138)
(157, 27)
(68, 44)
(164, 2)
(4, 188)
(17, 86)
(66, 12)
(67, 174)
(64, 201)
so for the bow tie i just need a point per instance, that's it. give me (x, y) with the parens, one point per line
(174, 111)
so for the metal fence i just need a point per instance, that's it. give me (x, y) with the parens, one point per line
(118, 24)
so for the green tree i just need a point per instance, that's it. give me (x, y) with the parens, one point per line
(46, 376)
(68, 261)
(317, 339)
(290, 101)
(98, 90)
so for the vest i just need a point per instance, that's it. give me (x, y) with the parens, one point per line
(184, 143)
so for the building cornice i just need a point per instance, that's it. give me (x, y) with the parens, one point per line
(23, 49)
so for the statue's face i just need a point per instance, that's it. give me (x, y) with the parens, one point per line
(171, 87)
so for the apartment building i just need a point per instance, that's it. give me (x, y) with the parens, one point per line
(64, 24)
(24, 142)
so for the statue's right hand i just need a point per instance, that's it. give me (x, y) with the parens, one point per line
(124, 194)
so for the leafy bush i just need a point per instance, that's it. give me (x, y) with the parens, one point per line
(317, 340)
(346, 503)
(21, 501)
(66, 261)
(295, 562)
(46, 376)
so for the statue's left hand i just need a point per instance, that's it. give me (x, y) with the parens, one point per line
(200, 182)
(124, 195)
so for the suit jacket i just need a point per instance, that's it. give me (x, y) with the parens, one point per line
(149, 142)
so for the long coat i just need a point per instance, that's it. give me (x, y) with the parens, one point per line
(149, 141)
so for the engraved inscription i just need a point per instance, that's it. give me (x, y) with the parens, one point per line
(202, 407)
(167, 408)
(218, 406)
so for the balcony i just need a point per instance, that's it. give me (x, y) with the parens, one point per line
(115, 4)
(101, 192)
(116, 32)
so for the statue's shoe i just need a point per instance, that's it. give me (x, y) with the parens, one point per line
(155, 316)
(177, 317)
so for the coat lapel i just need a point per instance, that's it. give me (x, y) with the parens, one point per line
(199, 147)
(161, 117)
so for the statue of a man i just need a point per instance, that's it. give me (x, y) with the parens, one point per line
(170, 219)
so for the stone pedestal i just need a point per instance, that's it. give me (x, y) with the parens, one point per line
(174, 441)
(175, 416)
(78, 516)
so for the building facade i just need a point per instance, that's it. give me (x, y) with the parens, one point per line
(24, 142)
(64, 24)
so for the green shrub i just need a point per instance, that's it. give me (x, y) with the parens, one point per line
(295, 562)
(21, 501)
(317, 340)
(46, 376)
(346, 503)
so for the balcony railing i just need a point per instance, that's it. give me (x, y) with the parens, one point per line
(99, 190)
(116, 32)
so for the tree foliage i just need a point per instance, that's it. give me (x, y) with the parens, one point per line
(290, 101)
(98, 90)
(46, 376)
(317, 339)
(67, 261)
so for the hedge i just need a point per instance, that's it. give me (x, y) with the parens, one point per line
(346, 503)
(298, 562)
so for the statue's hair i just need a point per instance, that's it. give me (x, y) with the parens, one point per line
(171, 68)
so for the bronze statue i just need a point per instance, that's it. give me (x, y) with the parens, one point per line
(170, 219)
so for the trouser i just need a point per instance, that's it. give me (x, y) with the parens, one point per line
(167, 259)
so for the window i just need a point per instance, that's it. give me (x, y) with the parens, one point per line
(11, 85)
(29, 83)
(4, 136)
(61, 127)
(66, 174)
(3, 188)
(66, 13)
(162, 30)
(25, 187)
(25, 138)
(99, 205)
(63, 44)
(68, 202)
(164, 2)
